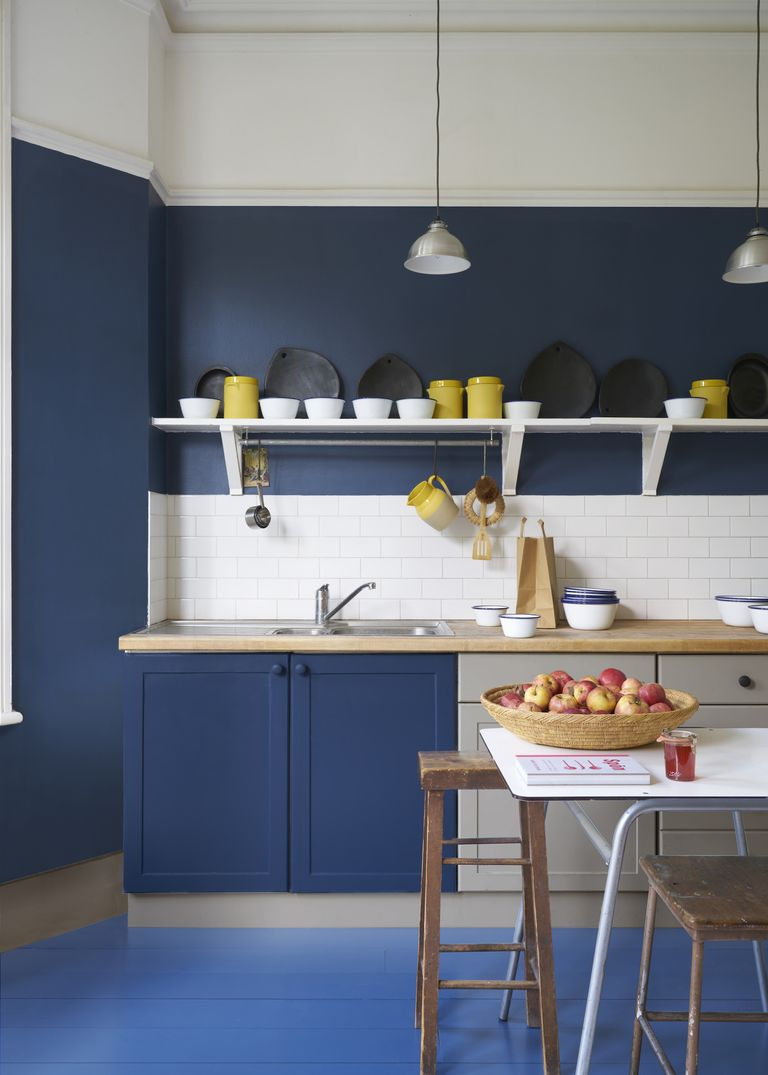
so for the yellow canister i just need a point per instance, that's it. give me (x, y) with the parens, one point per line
(448, 397)
(715, 392)
(241, 397)
(484, 397)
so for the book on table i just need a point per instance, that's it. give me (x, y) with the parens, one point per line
(581, 769)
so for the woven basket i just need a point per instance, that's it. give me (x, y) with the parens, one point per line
(593, 731)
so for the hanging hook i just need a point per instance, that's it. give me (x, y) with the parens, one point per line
(434, 460)
(484, 460)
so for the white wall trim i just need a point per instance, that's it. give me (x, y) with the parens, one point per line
(49, 138)
(7, 713)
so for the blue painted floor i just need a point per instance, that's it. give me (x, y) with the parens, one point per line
(321, 1002)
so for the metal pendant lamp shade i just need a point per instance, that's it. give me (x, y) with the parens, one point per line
(437, 252)
(748, 264)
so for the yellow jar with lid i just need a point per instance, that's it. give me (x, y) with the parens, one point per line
(484, 397)
(715, 392)
(241, 397)
(448, 397)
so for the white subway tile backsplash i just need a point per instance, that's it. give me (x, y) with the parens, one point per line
(585, 526)
(323, 505)
(422, 567)
(375, 526)
(753, 526)
(730, 505)
(317, 546)
(397, 589)
(703, 569)
(666, 610)
(384, 568)
(688, 588)
(690, 546)
(258, 566)
(561, 505)
(647, 546)
(738, 587)
(663, 568)
(627, 567)
(196, 546)
(747, 569)
(668, 526)
(300, 526)
(730, 546)
(758, 505)
(648, 588)
(336, 567)
(196, 588)
(703, 610)
(299, 567)
(420, 610)
(687, 505)
(606, 505)
(356, 505)
(345, 525)
(628, 526)
(215, 525)
(360, 546)
(646, 505)
(256, 610)
(709, 526)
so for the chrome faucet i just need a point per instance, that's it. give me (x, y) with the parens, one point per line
(322, 615)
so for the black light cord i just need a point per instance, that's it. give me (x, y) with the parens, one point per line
(437, 116)
(757, 121)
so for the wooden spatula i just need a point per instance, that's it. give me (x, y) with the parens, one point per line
(481, 546)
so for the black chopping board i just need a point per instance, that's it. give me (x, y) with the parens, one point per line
(633, 388)
(296, 373)
(562, 380)
(390, 377)
(210, 383)
(748, 381)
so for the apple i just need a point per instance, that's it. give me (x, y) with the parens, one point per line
(562, 678)
(582, 689)
(601, 700)
(612, 677)
(590, 679)
(511, 699)
(652, 693)
(568, 687)
(562, 703)
(544, 679)
(631, 685)
(661, 707)
(530, 707)
(630, 704)
(538, 695)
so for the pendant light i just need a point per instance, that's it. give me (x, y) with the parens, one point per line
(748, 264)
(437, 252)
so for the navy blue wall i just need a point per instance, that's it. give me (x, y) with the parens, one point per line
(245, 281)
(80, 474)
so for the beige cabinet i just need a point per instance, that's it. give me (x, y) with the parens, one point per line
(733, 693)
(573, 862)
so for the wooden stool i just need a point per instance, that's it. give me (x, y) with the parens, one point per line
(714, 898)
(442, 771)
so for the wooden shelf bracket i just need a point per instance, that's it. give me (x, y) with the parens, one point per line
(655, 444)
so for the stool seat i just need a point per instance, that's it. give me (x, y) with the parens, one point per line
(458, 770)
(713, 895)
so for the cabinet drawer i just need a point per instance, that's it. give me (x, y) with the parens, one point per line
(715, 679)
(479, 671)
(729, 716)
(709, 843)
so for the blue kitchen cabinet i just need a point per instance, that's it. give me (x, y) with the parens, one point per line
(206, 772)
(357, 722)
(263, 772)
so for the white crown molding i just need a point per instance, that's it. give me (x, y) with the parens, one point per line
(159, 186)
(414, 16)
(49, 138)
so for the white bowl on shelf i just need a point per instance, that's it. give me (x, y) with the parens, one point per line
(685, 407)
(416, 409)
(735, 610)
(279, 407)
(488, 615)
(199, 407)
(320, 408)
(590, 617)
(370, 407)
(519, 624)
(522, 408)
(759, 615)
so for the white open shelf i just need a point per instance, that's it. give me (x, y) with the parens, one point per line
(511, 433)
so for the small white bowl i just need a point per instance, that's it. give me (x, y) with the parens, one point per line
(590, 617)
(522, 408)
(736, 611)
(371, 407)
(200, 407)
(519, 624)
(759, 618)
(415, 408)
(488, 615)
(322, 407)
(279, 407)
(685, 407)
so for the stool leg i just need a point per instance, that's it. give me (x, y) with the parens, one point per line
(694, 1009)
(642, 983)
(419, 967)
(433, 865)
(543, 937)
(532, 1007)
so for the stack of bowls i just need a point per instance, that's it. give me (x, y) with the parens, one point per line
(735, 610)
(589, 609)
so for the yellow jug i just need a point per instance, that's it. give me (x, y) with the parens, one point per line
(484, 397)
(433, 505)
(241, 397)
(715, 392)
(448, 397)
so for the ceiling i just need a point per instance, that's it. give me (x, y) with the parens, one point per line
(397, 16)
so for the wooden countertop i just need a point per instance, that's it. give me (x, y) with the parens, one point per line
(626, 636)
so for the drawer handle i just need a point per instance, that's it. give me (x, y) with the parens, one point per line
(745, 681)
(301, 670)
(278, 670)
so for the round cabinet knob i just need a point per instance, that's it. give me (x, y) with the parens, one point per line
(278, 670)
(302, 670)
(745, 681)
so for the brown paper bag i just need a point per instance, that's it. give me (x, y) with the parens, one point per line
(536, 576)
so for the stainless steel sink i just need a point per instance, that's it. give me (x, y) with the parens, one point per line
(344, 628)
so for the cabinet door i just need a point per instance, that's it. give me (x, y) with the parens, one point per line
(206, 772)
(357, 722)
(574, 865)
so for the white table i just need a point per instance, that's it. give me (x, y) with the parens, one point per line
(731, 774)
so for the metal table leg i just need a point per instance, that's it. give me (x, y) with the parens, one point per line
(757, 946)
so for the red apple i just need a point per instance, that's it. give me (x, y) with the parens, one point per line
(511, 700)
(652, 693)
(631, 685)
(581, 690)
(612, 677)
(661, 707)
(544, 679)
(601, 700)
(590, 679)
(630, 704)
(530, 707)
(562, 703)
(568, 687)
(562, 678)
(539, 695)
